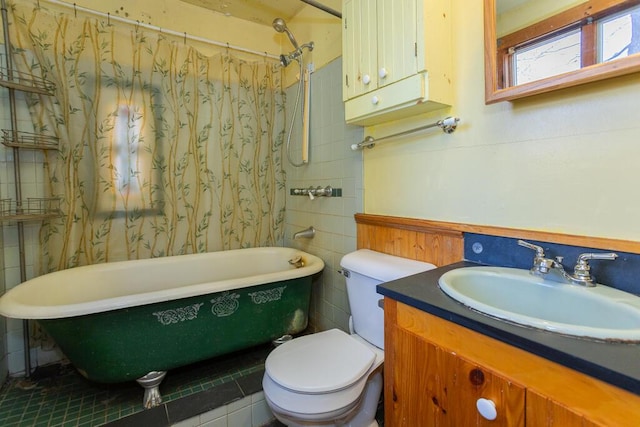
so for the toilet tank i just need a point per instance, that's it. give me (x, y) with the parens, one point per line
(364, 269)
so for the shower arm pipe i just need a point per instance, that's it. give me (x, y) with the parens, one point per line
(448, 125)
(323, 8)
(17, 183)
(183, 35)
(305, 115)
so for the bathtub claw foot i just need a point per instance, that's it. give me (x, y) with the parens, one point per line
(151, 383)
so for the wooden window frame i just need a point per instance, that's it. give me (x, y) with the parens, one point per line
(582, 17)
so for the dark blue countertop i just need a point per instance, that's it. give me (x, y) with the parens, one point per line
(615, 363)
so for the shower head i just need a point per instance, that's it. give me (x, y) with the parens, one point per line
(280, 26)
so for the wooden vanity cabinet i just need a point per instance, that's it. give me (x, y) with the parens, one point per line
(435, 387)
(435, 371)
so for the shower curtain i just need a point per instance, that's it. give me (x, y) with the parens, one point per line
(163, 150)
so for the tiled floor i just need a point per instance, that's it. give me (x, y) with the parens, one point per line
(59, 396)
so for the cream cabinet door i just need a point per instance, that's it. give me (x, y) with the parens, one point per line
(397, 40)
(359, 47)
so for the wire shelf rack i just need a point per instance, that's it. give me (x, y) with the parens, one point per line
(20, 139)
(25, 82)
(33, 208)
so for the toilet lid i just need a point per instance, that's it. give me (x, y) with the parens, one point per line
(318, 363)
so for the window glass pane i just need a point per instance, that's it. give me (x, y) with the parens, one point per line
(619, 37)
(550, 57)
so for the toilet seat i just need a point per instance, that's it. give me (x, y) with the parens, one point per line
(320, 376)
(324, 362)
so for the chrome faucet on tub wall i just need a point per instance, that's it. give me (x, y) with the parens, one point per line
(318, 191)
(307, 233)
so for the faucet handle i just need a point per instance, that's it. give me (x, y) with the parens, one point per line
(541, 264)
(610, 256)
(539, 250)
(582, 268)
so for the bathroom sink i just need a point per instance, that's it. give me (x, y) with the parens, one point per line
(516, 296)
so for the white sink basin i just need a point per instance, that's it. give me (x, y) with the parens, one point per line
(514, 295)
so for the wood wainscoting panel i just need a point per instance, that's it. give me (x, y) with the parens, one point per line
(442, 243)
(437, 246)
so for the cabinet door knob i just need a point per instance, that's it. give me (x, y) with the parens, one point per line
(375, 100)
(366, 79)
(487, 409)
(382, 73)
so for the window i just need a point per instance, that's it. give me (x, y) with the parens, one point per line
(124, 144)
(568, 41)
(557, 55)
(619, 35)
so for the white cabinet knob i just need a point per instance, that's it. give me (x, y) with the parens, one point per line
(382, 73)
(375, 100)
(487, 409)
(366, 79)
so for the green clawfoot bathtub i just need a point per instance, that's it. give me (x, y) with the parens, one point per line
(134, 320)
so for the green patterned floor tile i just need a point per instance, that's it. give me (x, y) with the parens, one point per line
(64, 398)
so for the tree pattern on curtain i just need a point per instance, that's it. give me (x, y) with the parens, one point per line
(163, 151)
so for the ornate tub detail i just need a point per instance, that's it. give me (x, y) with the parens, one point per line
(134, 320)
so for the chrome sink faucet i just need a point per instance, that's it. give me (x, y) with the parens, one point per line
(553, 269)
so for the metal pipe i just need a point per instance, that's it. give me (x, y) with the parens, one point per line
(323, 8)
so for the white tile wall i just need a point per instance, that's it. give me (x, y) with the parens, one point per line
(4, 368)
(32, 179)
(331, 162)
(252, 411)
(3, 323)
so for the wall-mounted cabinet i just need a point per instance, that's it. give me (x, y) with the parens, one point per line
(396, 58)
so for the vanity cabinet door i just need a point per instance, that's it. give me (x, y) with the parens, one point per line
(429, 386)
(544, 412)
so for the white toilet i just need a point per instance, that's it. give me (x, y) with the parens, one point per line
(332, 378)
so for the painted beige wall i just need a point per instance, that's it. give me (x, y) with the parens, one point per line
(566, 161)
(558, 162)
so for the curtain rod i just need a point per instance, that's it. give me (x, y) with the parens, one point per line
(323, 8)
(184, 35)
